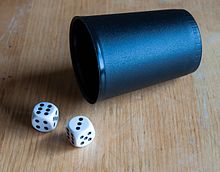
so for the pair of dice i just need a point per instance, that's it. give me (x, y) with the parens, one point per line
(79, 129)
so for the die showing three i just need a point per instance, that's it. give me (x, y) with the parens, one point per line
(79, 130)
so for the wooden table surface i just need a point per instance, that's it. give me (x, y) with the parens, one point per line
(173, 126)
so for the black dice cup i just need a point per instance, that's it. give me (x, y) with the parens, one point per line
(118, 53)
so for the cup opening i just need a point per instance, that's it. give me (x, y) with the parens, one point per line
(84, 59)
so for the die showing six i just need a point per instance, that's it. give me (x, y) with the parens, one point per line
(45, 117)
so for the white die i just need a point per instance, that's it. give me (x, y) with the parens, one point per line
(80, 131)
(45, 117)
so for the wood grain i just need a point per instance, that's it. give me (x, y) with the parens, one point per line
(173, 126)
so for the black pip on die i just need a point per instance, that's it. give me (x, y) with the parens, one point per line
(80, 131)
(45, 117)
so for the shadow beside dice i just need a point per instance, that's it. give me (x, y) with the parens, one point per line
(19, 94)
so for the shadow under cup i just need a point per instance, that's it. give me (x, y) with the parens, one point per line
(118, 53)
